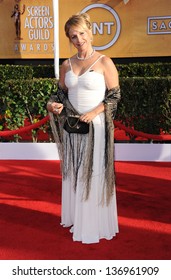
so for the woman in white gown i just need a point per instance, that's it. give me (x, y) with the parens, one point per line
(89, 209)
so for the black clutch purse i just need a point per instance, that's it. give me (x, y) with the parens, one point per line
(74, 125)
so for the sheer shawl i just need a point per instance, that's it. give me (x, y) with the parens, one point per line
(112, 97)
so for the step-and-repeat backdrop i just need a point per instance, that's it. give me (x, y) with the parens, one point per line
(133, 29)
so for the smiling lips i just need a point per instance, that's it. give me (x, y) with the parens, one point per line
(80, 44)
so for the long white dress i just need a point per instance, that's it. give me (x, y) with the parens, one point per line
(90, 220)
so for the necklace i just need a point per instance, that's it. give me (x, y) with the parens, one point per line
(85, 58)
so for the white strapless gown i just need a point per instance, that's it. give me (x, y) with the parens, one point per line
(89, 220)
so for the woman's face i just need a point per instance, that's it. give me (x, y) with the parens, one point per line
(80, 38)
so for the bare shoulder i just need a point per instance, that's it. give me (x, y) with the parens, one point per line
(110, 72)
(108, 62)
(63, 69)
(65, 65)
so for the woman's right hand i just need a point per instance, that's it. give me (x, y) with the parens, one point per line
(55, 108)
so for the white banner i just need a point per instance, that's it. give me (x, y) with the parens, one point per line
(91, 269)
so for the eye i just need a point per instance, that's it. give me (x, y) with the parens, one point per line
(73, 37)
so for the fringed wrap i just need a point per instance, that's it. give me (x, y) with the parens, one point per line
(71, 161)
(112, 97)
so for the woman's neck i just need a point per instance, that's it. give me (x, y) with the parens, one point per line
(85, 56)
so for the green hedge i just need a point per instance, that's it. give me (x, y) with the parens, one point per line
(8, 72)
(15, 72)
(25, 100)
(47, 71)
(144, 69)
(145, 103)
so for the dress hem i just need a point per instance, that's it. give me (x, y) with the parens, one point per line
(97, 240)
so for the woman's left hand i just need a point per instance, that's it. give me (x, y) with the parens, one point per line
(88, 117)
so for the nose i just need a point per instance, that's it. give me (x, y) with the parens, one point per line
(78, 38)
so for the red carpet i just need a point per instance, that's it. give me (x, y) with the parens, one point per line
(30, 214)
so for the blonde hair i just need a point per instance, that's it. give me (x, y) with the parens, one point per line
(78, 20)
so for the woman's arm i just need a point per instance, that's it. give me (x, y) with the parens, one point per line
(63, 70)
(110, 73)
(53, 106)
